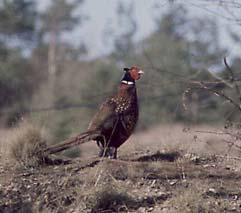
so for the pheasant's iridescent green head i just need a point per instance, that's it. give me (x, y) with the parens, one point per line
(131, 75)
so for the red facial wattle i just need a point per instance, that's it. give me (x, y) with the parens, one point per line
(136, 73)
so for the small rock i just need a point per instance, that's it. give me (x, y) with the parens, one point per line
(188, 155)
(150, 209)
(141, 210)
(212, 190)
(161, 194)
(153, 184)
(172, 182)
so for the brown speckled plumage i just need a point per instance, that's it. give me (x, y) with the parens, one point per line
(117, 116)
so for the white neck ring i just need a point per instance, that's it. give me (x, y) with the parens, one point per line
(127, 82)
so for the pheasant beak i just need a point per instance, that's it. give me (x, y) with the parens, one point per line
(140, 72)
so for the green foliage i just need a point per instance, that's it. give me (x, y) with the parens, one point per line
(124, 43)
(101, 83)
(17, 18)
(171, 61)
(18, 82)
(14, 79)
(178, 52)
(59, 16)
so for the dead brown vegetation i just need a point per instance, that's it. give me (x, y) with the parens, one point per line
(28, 141)
(150, 176)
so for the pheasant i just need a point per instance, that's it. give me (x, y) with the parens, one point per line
(115, 121)
(118, 115)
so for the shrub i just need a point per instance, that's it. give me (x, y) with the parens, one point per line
(28, 142)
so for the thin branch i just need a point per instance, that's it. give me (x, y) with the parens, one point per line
(154, 67)
(213, 12)
(218, 93)
(212, 132)
(238, 91)
(220, 79)
(231, 143)
(233, 135)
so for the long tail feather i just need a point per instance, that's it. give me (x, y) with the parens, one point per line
(79, 139)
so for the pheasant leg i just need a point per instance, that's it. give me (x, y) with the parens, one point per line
(112, 153)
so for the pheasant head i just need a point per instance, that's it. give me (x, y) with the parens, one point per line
(131, 75)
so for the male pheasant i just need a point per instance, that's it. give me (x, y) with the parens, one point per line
(114, 122)
(118, 115)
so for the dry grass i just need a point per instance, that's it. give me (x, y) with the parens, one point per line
(6, 139)
(189, 200)
(194, 199)
(109, 198)
(177, 137)
(167, 138)
(164, 139)
(164, 169)
(24, 143)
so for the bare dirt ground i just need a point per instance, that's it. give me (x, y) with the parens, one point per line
(166, 169)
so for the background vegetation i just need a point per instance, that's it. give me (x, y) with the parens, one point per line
(184, 161)
(50, 81)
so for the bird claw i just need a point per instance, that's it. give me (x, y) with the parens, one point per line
(109, 152)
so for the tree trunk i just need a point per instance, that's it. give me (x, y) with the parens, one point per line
(52, 68)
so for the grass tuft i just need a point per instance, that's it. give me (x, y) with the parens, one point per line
(28, 142)
(109, 198)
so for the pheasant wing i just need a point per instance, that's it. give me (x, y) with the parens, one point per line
(105, 118)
